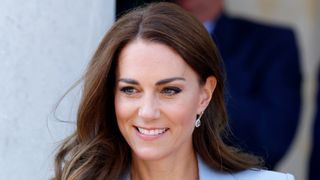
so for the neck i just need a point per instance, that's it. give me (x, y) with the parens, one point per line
(177, 167)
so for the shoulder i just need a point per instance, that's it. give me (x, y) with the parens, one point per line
(207, 173)
(251, 27)
(247, 175)
(262, 175)
(258, 25)
(255, 38)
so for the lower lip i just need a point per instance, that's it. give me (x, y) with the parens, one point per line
(149, 137)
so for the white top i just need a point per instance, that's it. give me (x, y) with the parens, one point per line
(206, 173)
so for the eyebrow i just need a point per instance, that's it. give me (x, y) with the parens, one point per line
(128, 81)
(168, 80)
(161, 82)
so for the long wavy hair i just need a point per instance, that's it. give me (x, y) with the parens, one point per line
(97, 150)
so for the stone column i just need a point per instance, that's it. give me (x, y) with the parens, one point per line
(44, 48)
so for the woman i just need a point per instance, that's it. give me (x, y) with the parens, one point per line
(152, 106)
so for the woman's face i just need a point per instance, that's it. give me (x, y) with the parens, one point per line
(157, 98)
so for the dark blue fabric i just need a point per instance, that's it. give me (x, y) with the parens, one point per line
(263, 84)
(314, 173)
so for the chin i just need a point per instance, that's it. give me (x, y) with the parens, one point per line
(149, 154)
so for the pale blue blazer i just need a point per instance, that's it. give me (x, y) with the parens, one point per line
(206, 173)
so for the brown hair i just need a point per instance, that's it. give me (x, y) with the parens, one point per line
(97, 150)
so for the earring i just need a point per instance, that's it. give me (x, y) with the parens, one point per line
(198, 121)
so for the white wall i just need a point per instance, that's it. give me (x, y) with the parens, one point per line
(44, 48)
(304, 18)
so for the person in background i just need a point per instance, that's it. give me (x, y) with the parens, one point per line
(263, 79)
(263, 74)
(152, 106)
(315, 150)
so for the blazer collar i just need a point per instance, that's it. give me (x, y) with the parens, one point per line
(207, 173)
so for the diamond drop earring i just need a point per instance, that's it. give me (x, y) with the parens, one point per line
(198, 121)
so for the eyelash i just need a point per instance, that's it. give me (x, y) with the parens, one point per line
(129, 90)
(167, 91)
(170, 91)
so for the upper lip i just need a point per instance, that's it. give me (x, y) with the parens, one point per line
(150, 128)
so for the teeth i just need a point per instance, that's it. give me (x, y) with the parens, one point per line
(152, 132)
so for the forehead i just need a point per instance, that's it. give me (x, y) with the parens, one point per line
(151, 58)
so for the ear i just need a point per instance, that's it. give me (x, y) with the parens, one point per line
(206, 93)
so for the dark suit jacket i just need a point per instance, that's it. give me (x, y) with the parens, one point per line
(263, 83)
(315, 151)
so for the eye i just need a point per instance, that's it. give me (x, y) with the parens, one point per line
(129, 90)
(170, 91)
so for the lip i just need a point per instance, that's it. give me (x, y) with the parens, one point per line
(149, 137)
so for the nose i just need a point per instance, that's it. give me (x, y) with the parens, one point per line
(149, 109)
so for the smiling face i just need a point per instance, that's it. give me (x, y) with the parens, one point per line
(157, 98)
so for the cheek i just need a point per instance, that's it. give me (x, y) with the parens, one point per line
(122, 109)
(185, 117)
(183, 113)
(122, 105)
(186, 122)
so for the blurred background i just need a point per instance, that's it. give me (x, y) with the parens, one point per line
(304, 18)
(45, 46)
